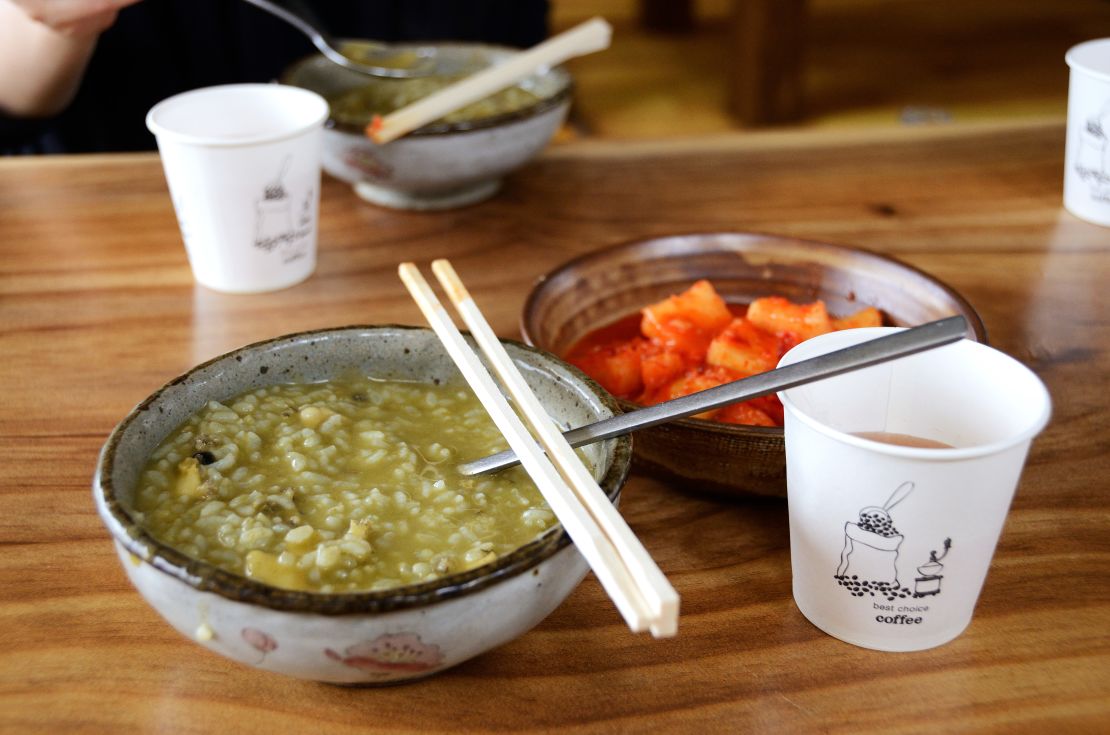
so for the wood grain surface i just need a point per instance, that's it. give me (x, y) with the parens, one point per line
(98, 309)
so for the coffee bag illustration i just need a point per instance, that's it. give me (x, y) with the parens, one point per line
(274, 212)
(869, 560)
(280, 230)
(1092, 159)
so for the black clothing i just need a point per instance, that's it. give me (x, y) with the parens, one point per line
(158, 48)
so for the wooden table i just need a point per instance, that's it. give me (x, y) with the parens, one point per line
(98, 308)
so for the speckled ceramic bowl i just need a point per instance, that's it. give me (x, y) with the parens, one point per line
(357, 638)
(439, 166)
(606, 285)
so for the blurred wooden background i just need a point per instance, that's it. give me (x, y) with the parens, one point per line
(862, 62)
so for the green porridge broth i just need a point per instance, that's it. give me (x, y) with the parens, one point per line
(341, 486)
(383, 96)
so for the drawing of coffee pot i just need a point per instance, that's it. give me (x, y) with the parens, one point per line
(929, 581)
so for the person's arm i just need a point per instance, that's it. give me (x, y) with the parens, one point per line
(44, 48)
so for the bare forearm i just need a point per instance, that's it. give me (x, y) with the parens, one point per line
(42, 58)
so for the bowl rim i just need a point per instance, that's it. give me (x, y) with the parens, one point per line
(772, 433)
(207, 577)
(433, 129)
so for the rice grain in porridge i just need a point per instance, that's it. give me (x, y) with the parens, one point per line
(341, 486)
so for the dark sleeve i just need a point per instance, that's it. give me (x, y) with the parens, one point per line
(19, 136)
(507, 22)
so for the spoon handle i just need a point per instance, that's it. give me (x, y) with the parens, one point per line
(875, 351)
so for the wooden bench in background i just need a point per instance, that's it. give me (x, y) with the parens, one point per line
(766, 43)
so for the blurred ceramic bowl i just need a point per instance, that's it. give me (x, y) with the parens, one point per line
(602, 287)
(357, 638)
(441, 165)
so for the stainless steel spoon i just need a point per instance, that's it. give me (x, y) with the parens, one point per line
(298, 15)
(875, 351)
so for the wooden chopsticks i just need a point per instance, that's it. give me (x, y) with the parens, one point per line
(626, 571)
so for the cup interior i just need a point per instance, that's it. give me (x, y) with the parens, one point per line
(1091, 57)
(968, 395)
(237, 114)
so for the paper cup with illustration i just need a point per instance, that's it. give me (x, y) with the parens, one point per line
(1087, 155)
(899, 479)
(242, 163)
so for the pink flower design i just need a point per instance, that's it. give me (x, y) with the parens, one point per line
(367, 163)
(390, 653)
(262, 642)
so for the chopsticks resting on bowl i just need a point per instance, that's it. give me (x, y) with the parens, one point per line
(584, 38)
(631, 578)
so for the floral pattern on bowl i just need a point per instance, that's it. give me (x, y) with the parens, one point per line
(263, 642)
(390, 653)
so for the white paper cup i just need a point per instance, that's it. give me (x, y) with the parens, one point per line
(1087, 155)
(890, 545)
(243, 166)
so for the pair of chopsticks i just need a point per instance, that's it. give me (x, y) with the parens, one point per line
(585, 38)
(627, 572)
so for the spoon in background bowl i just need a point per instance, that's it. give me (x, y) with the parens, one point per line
(891, 347)
(298, 15)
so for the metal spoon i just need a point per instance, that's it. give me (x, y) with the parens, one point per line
(300, 16)
(875, 351)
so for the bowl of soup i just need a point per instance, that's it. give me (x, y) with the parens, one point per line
(294, 506)
(660, 318)
(457, 160)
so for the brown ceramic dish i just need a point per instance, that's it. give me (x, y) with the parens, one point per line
(601, 287)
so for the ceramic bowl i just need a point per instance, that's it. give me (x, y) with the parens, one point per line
(604, 286)
(356, 638)
(439, 166)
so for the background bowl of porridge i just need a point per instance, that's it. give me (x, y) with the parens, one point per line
(457, 160)
(293, 505)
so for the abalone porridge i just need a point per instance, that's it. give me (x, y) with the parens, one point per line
(339, 486)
